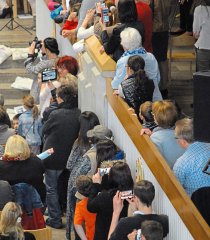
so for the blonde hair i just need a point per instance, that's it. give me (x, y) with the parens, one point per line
(68, 79)
(10, 222)
(17, 147)
(28, 102)
(165, 113)
(145, 111)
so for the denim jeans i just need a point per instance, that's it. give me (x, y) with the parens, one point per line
(51, 181)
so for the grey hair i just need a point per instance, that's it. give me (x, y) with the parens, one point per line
(130, 39)
(184, 129)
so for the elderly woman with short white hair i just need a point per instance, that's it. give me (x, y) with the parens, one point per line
(131, 41)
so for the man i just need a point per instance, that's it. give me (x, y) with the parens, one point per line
(60, 131)
(188, 168)
(150, 230)
(144, 193)
(50, 52)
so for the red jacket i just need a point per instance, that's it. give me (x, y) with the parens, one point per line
(69, 25)
(145, 16)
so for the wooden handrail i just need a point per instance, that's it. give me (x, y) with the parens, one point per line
(103, 61)
(160, 169)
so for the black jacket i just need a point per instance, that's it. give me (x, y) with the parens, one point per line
(28, 171)
(112, 44)
(128, 224)
(135, 96)
(102, 204)
(60, 131)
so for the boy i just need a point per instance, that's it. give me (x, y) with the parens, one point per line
(82, 215)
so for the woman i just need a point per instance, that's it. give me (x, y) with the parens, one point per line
(107, 154)
(49, 48)
(67, 64)
(132, 44)
(136, 88)
(27, 168)
(201, 31)
(101, 202)
(127, 14)
(10, 223)
(30, 126)
(163, 136)
(88, 120)
(48, 90)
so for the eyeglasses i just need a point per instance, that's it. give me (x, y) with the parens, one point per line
(207, 168)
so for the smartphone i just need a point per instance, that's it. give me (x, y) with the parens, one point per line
(105, 15)
(103, 171)
(127, 194)
(49, 75)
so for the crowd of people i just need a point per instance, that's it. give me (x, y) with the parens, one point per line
(64, 162)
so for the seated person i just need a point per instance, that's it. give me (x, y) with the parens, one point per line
(82, 215)
(10, 223)
(163, 136)
(145, 114)
(136, 88)
(6, 193)
(188, 167)
(131, 41)
(150, 230)
(144, 193)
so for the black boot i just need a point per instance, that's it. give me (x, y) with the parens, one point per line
(5, 12)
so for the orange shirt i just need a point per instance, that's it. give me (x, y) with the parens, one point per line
(83, 215)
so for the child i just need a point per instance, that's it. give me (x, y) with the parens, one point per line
(10, 223)
(72, 21)
(15, 122)
(82, 215)
(145, 114)
(30, 126)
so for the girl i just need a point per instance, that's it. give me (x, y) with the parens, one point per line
(136, 88)
(30, 126)
(10, 223)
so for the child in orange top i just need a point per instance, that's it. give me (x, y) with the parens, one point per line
(82, 215)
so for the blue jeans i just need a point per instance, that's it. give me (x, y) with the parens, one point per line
(51, 181)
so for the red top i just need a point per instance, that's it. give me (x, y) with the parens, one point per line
(83, 215)
(69, 25)
(145, 16)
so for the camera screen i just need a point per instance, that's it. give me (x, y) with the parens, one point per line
(103, 171)
(127, 194)
(49, 75)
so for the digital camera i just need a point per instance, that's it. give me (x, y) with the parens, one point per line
(127, 194)
(38, 43)
(49, 75)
